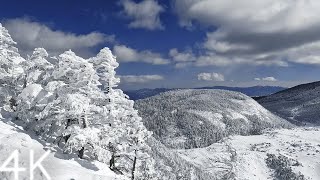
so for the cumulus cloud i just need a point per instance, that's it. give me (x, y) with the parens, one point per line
(265, 31)
(140, 78)
(210, 77)
(145, 14)
(30, 34)
(182, 59)
(127, 54)
(181, 56)
(270, 79)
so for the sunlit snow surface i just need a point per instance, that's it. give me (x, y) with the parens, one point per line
(301, 145)
(59, 166)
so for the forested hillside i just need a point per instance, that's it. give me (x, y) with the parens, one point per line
(299, 104)
(198, 118)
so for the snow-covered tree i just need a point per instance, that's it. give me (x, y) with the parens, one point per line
(10, 70)
(37, 68)
(129, 151)
(75, 104)
(75, 88)
(30, 102)
(105, 64)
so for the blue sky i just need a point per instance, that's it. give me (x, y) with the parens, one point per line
(179, 43)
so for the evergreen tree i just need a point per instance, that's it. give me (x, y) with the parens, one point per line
(37, 68)
(10, 70)
(129, 151)
(70, 115)
(105, 64)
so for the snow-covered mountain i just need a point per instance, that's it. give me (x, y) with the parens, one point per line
(300, 104)
(249, 91)
(198, 118)
(279, 154)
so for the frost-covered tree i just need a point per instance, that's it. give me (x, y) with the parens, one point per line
(128, 148)
(10, 70)
(37, 68)
(33, 98)
(30, 102)
(75, 88)
(75, 104)
(105, 64)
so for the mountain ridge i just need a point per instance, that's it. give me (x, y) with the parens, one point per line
(298, 104)
(252, 91)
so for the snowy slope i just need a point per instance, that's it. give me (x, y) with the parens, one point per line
(298, 104)
(244, 157)
(198, 118)
(58, 165)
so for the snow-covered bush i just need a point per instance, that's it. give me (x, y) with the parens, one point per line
(282, 167)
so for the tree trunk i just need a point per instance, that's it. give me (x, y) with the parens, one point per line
(66, 138)
(112, 162)
(25, 82)
(84, 121)
(13, 104)
(81, 153)
(134, 165)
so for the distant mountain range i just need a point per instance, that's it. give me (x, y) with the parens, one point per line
(249, 91)
(300, 104)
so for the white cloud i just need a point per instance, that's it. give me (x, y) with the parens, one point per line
(213, 43)
(210, 77)
(277, 30)
(182, 59)
(127, 54)
(265, 16)
(145, 14)
(181, 56)
(271, 79)
(188, 58)
(213, 60)
(140, 78)
(30, 34)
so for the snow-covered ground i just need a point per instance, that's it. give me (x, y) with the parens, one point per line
(244, 157)
(59, 166)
